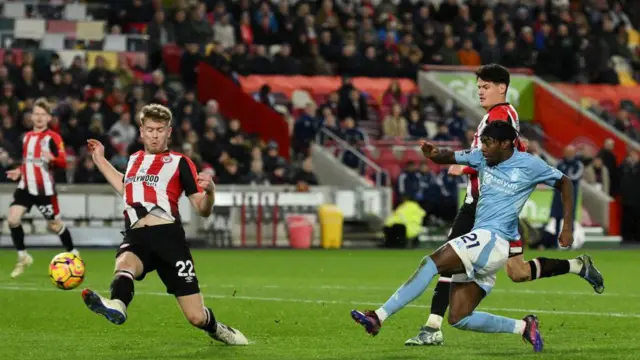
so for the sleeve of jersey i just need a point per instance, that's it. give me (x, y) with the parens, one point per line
(188, 176)
(468, 170)
(57, 150)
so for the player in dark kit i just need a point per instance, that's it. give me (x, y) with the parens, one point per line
(493, 83)
(154, 238)
(42, 149)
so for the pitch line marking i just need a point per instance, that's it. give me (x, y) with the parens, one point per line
(346, 302)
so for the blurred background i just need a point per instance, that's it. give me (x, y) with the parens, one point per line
(308, 113)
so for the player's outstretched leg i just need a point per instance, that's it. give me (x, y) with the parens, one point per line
(128, 267)
(541, 267)
(203, 318)
(114, 309)
(431, 333)
(17, 236)
(447, 261)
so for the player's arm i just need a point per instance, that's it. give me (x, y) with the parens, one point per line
(565, 185)
(438, 156)
(58, 155)
(113, 176)
(199, 188)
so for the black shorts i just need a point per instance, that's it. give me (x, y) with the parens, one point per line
(466, 217)
(46, 204)
(164, 248)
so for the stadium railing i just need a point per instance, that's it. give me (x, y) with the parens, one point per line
(244, 216)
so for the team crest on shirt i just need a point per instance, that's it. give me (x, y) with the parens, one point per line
(167, 159)
(515, 174)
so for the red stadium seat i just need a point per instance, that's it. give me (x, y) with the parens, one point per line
(412, 155)
(385, 154)
(171, 54)
(61, 27)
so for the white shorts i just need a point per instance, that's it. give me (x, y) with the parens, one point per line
(483, 253)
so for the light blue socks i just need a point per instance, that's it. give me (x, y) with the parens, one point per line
(489, 323)
(410, 290)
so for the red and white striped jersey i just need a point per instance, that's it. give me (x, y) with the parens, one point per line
(37, 177)
(498, 112)
(155, 182)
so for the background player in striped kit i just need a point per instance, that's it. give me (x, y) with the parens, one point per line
(154, 238)
(493, 83)
(42, 149)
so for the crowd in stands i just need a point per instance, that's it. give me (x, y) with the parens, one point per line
(593, 42)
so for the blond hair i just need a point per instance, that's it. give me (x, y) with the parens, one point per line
(43, 104)
(155, 112)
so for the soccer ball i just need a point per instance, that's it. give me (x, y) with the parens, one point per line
(66, 271)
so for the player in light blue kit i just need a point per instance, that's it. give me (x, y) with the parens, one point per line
(507, 179)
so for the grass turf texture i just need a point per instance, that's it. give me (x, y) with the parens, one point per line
(295, 305)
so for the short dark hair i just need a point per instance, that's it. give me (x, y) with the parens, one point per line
(500, 131)
(494, 73)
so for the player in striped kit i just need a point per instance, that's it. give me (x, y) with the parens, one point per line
(154, 238)
(493, 82)
(42, 149)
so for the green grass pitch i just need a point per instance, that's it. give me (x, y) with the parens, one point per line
(295, 305)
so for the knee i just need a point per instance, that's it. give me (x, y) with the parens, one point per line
(197, 319)
(458, 321)
(129, 264)
(14, 220)
(518, 271)
(55, 226)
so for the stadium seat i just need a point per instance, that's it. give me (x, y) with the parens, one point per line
(61, 27)
(33, 29)
(75, 12)
(116, 43)
(52, 42)
(412, 155)
(138, 28)
(90, 30)
(171, 56)
(386, 154)
(67, 56)
(14, 10)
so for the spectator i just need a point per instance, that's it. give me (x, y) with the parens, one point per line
(87, 173)
(279, 174)
(416, 127)
(448, 201)
(265, 96)
(230, 174)
(443, 133)
(597, 174)
(533, 148)
(353, 106)
(468, 56)
(224, 33)
(351, 133)
(161, 33)
(609, 161)
(395, 125)
(256, 175)
(430, 189)
(410, 183)
(123, 133)
(305, 177)
(394, 95)
(329, 123)
(630, 178)
(272, 159)
(189, 66)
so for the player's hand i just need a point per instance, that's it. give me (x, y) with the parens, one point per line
(14, 175)
(205, 181)
(95, 148)
(428, 149)
(455, 170)
(48, 156)
(566, 238)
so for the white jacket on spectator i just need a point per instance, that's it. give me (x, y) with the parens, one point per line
(224, 35)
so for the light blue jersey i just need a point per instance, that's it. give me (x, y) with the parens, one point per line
(505, 188)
